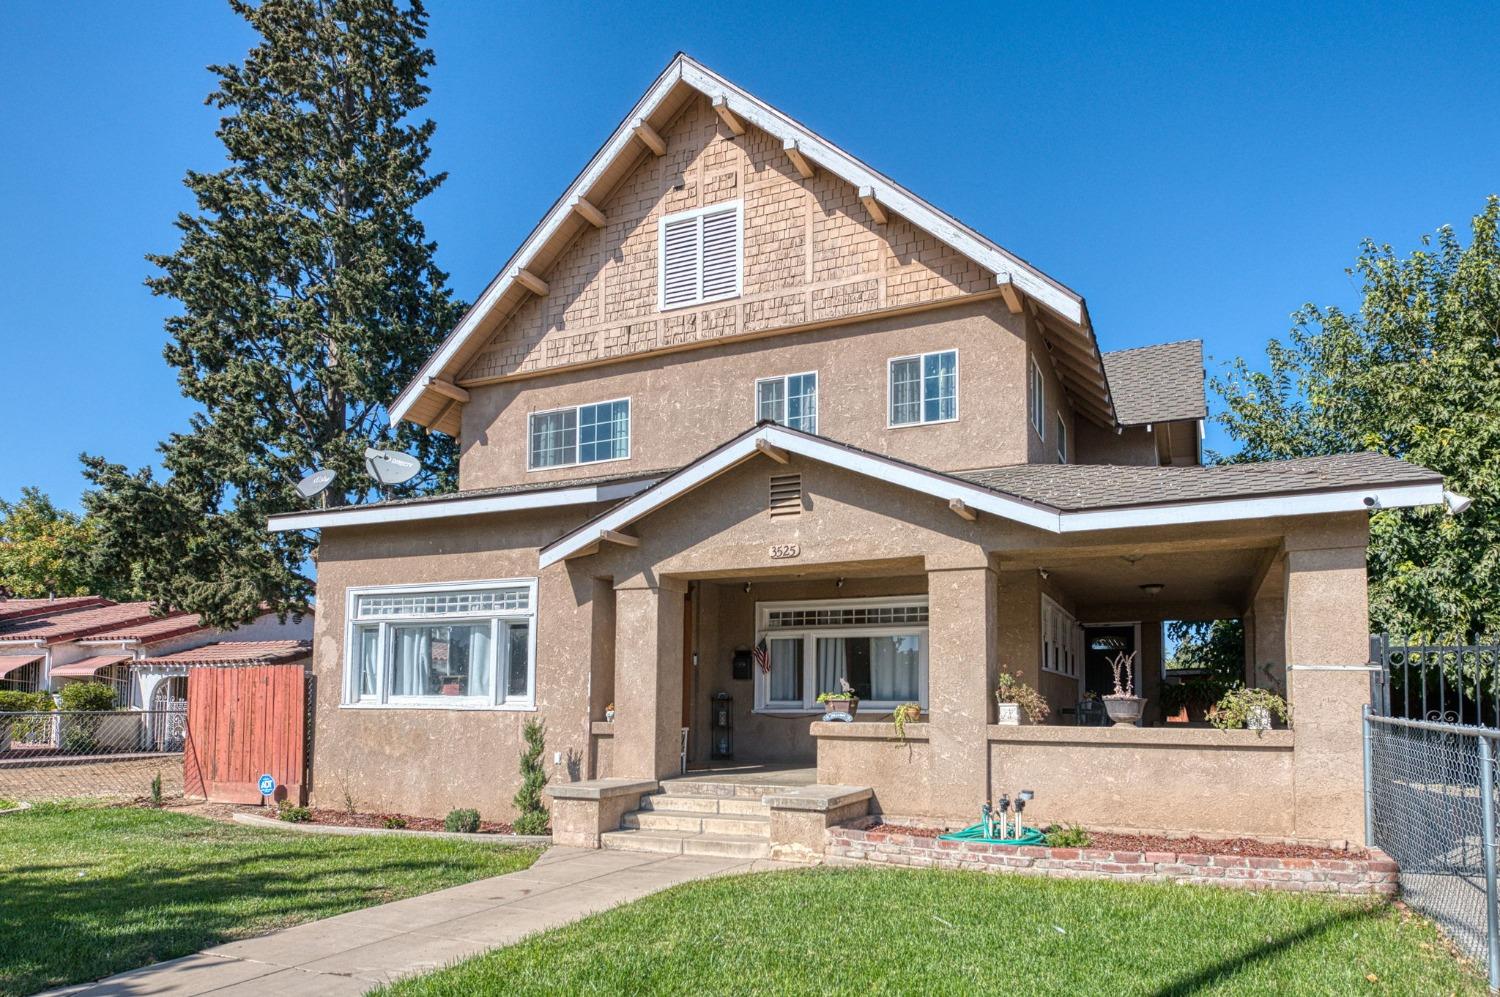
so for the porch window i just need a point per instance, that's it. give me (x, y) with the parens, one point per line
(924, 389)
(1062, 641)
(878, 646)
(457, 646)
(791, 401)
(588, 434)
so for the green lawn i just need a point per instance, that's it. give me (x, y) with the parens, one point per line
(89, 891)
(908, 931)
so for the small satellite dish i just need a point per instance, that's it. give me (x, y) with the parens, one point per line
(315, 483)
(391, 467)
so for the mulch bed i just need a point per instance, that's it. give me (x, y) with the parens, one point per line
(1162, 843)
(343, 818)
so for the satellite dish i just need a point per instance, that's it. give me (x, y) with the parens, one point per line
(391, 467)
(315, 483)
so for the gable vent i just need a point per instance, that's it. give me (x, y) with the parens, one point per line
(700, 256)
(786, 494)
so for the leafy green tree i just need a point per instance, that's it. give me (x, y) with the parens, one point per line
(46, 551)
(1414, 374)
(1213, 646)
(309, 298)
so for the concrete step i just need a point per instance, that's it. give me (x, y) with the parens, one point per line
(691, 822)
(671, 843)
(704, 804)
(743, 790)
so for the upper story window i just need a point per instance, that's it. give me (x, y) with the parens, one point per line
(586, 434)
(461, 645)
(700, 253)
(1036, 398)
(924, 388)
(791, 401)
(1062, 440)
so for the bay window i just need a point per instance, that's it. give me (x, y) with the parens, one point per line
(460, 645)
(878, 646)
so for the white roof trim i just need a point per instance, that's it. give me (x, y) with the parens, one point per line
(838, 162)
(446, 509)
(983, 499)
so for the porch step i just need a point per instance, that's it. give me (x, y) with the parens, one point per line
(741, 790)
(682, 802)
(672, 843)
(698, 822)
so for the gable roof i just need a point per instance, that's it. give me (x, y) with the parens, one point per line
(1060, 503)
(70, 623)
(1157, 383)
(685, 79)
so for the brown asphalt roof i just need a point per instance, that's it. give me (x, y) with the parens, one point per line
(11, 609)
(1157, 383)
(154, 629)
(528, 486)
(70, 624)
(1075, 487)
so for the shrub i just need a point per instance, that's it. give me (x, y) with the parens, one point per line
(12, 701)
(88, 697)
(394, 823)
(294, 815)
(156, 790)
(1067, 836)
(532, 817)
(462, 821)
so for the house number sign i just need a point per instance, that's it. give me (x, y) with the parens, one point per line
(781, 551)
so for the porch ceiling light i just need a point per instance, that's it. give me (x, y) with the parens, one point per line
(1456, 503)
(1152, 589)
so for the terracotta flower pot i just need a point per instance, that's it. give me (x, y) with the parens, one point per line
(1124, 710)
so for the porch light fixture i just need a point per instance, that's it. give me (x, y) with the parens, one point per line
(1456, 503)
(1152, 589)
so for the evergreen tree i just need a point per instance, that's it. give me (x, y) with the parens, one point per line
(1411, 374)
(531, 810)
(309, 298)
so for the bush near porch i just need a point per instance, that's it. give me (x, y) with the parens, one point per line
(90, 891)
(925, 931)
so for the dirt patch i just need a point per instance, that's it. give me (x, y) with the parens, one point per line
(1183, 846)
(343, 818)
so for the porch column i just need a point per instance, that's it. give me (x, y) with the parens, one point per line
(1328, 681)
(1265, 655)
(961, 671)
(648, 677)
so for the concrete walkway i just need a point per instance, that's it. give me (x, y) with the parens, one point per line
(353, 952)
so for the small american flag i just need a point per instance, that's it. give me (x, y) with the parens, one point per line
(763, 656)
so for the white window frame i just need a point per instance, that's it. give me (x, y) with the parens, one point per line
(500, 648)
(577, 411)
(1062, 641)
(890, 388)
(786, 394)
(1062, 440)
(1037, 399)
(809, 637)
(661, 254)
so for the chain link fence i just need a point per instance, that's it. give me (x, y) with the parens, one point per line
(66, 754)
(1430, 805)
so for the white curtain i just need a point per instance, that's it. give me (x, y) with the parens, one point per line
(786, 675)
(906, 392)
(619, 430)
(479, 660)
(831, 664)
(369, 644)
(893, 669)
(412, 664)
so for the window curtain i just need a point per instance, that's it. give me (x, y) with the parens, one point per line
(479, 660)
(369, 645)
(906, 392)
(770, 400)
(413, 661)
(831, 664)
(802, 402)
(940, 372)
(553, 439)
(786, 676)
(619, 431)
(893, 669)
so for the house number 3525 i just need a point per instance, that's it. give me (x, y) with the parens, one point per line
(779, 551)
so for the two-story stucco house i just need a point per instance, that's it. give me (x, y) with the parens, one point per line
(743, 418)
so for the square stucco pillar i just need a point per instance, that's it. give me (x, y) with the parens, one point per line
(1328, 684)
(648, 677)
(961, 670)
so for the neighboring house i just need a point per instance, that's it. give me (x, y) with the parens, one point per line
(47, 643)
(744, 417)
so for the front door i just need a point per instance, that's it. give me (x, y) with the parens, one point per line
(1102, 643)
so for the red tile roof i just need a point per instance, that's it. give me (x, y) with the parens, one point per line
(232, 652)
(60, 625)
(88, 666)
(156, 629)
(11, 609)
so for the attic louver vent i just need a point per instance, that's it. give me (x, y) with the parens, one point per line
(786, 494)
(700, 256)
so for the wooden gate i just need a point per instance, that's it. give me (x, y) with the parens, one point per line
(243, 723)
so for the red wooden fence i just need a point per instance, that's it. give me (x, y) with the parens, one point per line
(242, 723)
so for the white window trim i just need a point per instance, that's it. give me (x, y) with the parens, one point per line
(661, 255)
(577, 446)
(1037, 388)
(497, 700)
(890, 386)
(1075, 647)
(1062, 440)
(809, 637)
(783, 378)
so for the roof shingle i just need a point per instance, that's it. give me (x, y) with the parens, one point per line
(231, 652)
(1157, 383)
(70, 624)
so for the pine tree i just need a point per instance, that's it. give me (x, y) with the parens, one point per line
(531, 810)
(309, 298)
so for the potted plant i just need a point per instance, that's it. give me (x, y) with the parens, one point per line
(840, 702)
(1249, 708)
(1123, 705)
(906, 713)
(609, 713)
(1017, 703)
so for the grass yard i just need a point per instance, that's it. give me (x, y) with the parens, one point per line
(909, 931)
(88, 891)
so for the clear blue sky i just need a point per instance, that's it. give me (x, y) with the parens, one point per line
(1194, 171)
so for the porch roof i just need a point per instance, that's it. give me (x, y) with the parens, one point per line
(88, 666)
(230, 652)
(12, 662)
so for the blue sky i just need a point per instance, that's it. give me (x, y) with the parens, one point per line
(1192, 170)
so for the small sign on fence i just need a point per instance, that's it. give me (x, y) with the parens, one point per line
(267, 785)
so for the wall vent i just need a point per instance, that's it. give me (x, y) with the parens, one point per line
(786, 494)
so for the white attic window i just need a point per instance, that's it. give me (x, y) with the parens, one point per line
(700, 253)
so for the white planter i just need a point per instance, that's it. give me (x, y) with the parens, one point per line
(1011, 715)
(1259, 718)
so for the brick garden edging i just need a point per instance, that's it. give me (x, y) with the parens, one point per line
(851, 844)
